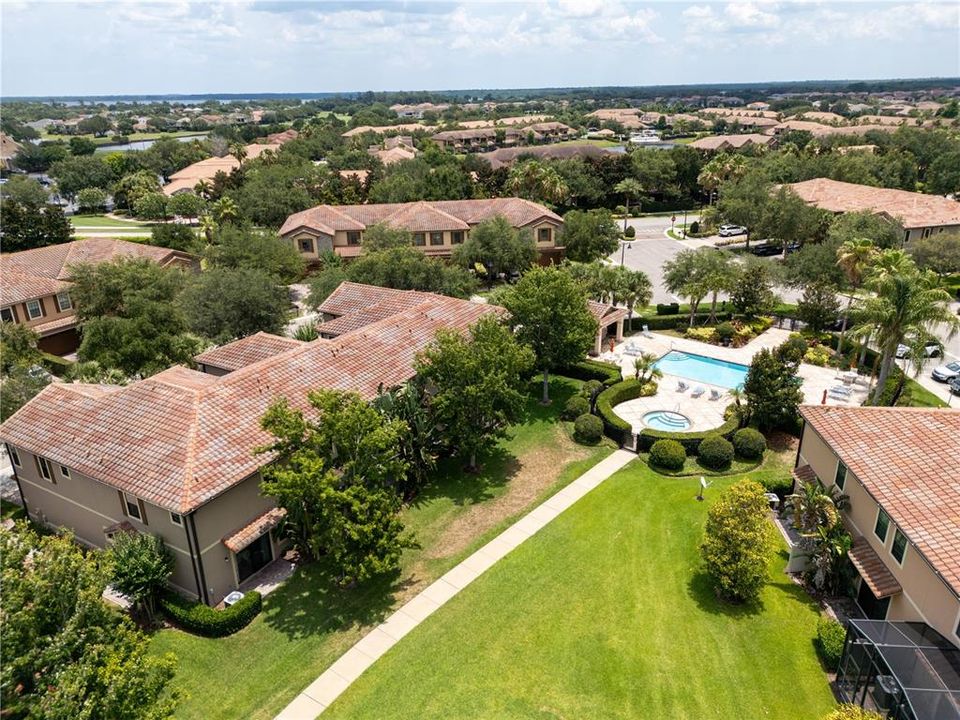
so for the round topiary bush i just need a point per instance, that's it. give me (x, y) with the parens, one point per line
(715, 452)
(749, 444)
(668, 454)
(630, 232)
(575, 407)
(694, 227)
(588, 429)
(726, 331)
(590, 389)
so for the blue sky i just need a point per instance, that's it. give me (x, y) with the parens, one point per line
(90, 48)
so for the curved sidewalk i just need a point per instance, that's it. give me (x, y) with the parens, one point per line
(338, 677)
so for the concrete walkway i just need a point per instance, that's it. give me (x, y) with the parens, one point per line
(338, 677)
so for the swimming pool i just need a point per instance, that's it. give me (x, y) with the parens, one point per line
(701, 368)
(666, 420)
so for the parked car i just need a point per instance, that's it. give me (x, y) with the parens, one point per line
(731, 230)
(947, 372)
(929, 350)
(766, 250)
(955, 385)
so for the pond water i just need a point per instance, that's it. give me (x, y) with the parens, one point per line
(143, 144)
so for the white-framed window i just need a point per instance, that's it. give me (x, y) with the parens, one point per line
(14, 456)
(63, 301)
(176, 519)
(306, 245)
(544, 235)
(34, 309)
(840, 479)
(899, 547)
(882, 525)
(65, 471)
(43, 467)
(132, 507)
(6, 314)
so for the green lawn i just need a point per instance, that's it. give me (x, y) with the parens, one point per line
(309, 622)
(915, 395)
(133, 137)
(589, 141)
(605, 614)
(11, 510)
(107, 222)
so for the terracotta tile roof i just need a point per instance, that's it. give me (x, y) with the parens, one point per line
(915, 210)
(605, 313)
(874, 572)
(351, 297)
(507, 156)
(363, 316)
(717, 142)
(804, 474)
(263, 523)
(382, 129)
(55, 326)
(180, 438)
(420, 216)
(820, 117)
(246, 351)
(42, 271)
(908, 459)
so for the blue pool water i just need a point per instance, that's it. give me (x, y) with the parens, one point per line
(666, 420)
(700, 368)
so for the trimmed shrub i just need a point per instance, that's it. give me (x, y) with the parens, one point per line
(726, 330)
(575, 407)
(694, 227)
(204, 620)
(668, 309)
(590, 390)
(852, 712)
(588, 429)
(780, 485)
(817, 355)
(630, 232)
(614, 425)
(829, 642)
(673, 320)
(715, 452)
(668, 454)
(703, 334)
(749, 444)
(606, 373)
(55, 365)
(690, 440)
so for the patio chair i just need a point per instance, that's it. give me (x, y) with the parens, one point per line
(631, 348)
(646, 332)
(698, 391)
(682, 386)
(714, 394)
(841, 390)
(839, 396)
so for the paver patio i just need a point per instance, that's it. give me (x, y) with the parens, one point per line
(338, 677)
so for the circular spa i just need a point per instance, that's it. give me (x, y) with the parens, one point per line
(666, 420)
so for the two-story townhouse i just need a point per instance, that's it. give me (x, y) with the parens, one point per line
(437, 226)
(175, 454)
(900, 468)
(35, 284)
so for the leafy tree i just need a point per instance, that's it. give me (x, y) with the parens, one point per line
(498, 246)
(20, 386)
(752, 292)
(18, 347)
(943, 176)
(589, 235)
(73, 174)
(381, 236)
(406, 268)
(549, 312)
(224, 304)
(82, 146)
(631, 189)
(881, 231)
(272, 192)
(737, 542)
(939, 253)
(129, 317)
(174, 236)
(24, 190)
(140, 567)
(476, 384)
(96, 125)
(244, 247)
(654, 170)
(421, 444)
(584, 184)
(324, 283)
(814, 262)
(336, 476)
(167, 155)
(133, 186)
(28, 226)
(744, 202)
(772, 390)
(66, 653)
(535, 181)
(152, 206)
(818, 307)
(185, 205)
(789, 219)
(92, 200)
(38, 158)
(686, 274)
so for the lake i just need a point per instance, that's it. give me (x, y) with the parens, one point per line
(142, 144)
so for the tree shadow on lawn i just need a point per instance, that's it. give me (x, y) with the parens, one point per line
(312, 603)
(700, 588)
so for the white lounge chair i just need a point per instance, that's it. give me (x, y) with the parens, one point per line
(698, 391)
(682, 386)
(631, 348)
(714, 394)
(646, 331)
(841, 390)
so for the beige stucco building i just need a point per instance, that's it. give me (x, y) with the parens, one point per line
(900, 468)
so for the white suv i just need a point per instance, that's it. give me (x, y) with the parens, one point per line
(731, 230)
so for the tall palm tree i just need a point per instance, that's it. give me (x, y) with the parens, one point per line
(853, 257)
(533, 180)
(644, 368)
(630, 188)
(814, 507)
(225, 210)
(239, 151)
(637, 290)
(719, 276)
(203, 188)
(906, 305)
(208, 226)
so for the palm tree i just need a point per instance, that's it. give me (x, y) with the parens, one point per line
(629, 188)
(637, 290)
(239, 151)
(225, 210)
(718, 276)
(644, 368)
(814, 507)
(532, 180)
(906, 305)
(203, 188)
(853, 257)
(740, 399)
(208, 226)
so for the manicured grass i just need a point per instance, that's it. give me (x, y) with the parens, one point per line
(916, 395)
(309, 622)
(107, 222)
(588, 141)
(605, 614)
(11, 510)
(133, 137)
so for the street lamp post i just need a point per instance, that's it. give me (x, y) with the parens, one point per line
(623, 247)
(683, 230)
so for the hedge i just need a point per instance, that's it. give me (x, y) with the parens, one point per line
(615, 426)
(750, 444)
(829, 642)
(670, 322)
(588, 429)
(55, 365)
(203, 620)
(606, 373)
(689, 440)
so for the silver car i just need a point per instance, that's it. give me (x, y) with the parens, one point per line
(945, 373)
(731, 230)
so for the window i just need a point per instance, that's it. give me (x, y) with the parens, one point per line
(544, 235)
(63, 301)
(841, 477)
(43, 467)
(6, 314)
(65, 472)
(899, 546)
(436, 238)
(456, 237)
(14, 455)
(132, 507)
(419, 239)
(883, 523)
(34, 309)
(306, 245)
(176, 519)
(353, 237)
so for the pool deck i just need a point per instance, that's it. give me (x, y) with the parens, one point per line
(703, 412)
